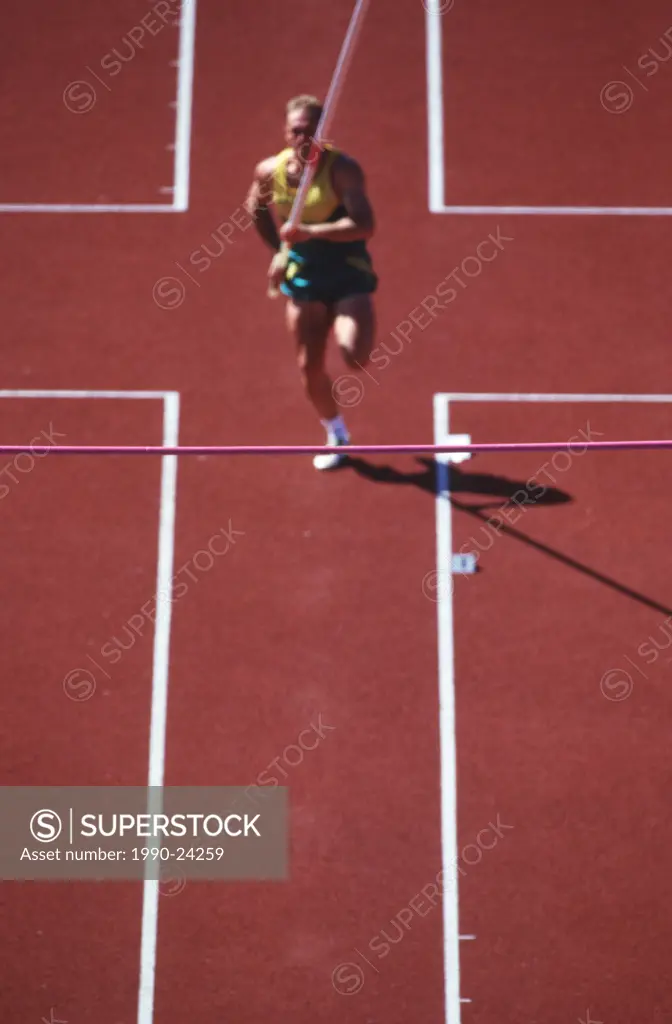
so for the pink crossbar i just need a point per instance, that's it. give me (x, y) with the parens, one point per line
(362, 449)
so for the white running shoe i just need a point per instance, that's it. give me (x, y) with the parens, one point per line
(333, 459)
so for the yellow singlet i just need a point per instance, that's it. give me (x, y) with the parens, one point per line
(322, 202)
(321, 269)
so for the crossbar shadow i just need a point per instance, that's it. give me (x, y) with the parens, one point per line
(461, 482)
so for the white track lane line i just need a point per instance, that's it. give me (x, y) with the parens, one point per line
(157, 736)
(185, 92)
(85, 208)
(448, 740)
(65, 393)
(434, 28)
(558, 211)
(475, 396)
(181, 146)
(436, 155)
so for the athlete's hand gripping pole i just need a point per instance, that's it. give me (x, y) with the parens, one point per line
(316, 147)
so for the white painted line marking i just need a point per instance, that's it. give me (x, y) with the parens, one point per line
(161, 653)
(85, 208)
(185, 89)
(181, 146)
(157, 739)
(434, 23)
(436, 154)
(65, 393)
(476, 396)
(447, 658)
(559, 211)
(447, 737)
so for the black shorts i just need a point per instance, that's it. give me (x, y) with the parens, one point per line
(328, 280)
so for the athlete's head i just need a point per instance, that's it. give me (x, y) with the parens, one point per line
(302, 118)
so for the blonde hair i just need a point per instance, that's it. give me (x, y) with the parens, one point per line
(305, 102)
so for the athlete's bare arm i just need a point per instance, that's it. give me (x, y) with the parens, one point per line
(258, 203)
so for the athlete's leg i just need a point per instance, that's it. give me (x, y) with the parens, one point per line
(310, 323)
(355, 328)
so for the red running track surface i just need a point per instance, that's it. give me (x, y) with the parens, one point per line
(317, 615)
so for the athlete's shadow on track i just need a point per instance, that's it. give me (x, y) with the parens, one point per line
(460, 482)
(427, 479)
